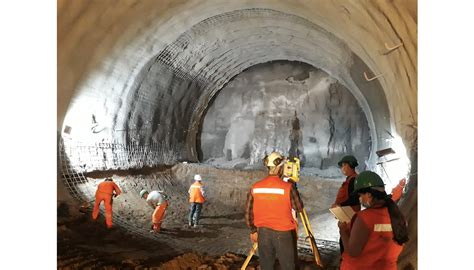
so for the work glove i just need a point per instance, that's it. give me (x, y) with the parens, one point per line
(254, 237)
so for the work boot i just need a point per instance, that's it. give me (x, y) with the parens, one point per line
(156, 228)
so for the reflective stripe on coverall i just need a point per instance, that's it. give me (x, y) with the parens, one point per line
(195, 194)
(381, 251)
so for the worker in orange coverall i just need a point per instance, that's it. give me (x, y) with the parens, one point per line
(157, 200)
(105, 192)
(397, 191)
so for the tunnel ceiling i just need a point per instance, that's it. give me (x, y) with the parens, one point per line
(151, 83)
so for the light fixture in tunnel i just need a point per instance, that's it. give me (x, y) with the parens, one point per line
(393, 164)
(67, 130)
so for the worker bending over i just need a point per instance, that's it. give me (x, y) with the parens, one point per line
(105, 192)
(157, 200)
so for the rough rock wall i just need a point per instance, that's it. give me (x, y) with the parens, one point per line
(364, 25)
(164, 95)
(289, 107)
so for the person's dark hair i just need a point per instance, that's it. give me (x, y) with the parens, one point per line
(399, 225)
(108, 179)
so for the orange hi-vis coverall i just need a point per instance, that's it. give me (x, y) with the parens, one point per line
(157, 201)
(105, 191)
(397, 191)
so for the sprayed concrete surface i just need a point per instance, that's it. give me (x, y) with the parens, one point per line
(136, 79)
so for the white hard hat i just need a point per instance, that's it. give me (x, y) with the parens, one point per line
(143, 192)
(274, 159)
(197, 177)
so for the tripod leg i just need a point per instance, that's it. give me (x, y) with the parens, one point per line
(314, 247)
(249, 257)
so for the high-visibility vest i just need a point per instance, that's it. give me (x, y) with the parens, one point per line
(343, 192)
(108, 187)
(272, 204)
(195, 193)
(381, 251)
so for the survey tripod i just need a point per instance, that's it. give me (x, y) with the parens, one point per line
(291, 170)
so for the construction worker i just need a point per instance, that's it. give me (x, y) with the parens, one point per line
(197, 199)
(269, 216)
(345, 197)
(375, 238)
(397, 191)
(105, 192)
(157, 200)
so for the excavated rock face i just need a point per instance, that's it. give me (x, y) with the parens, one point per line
(289, 107)
(137, 82)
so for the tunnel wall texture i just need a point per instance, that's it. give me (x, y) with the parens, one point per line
(140, 74)
(288, 107)
(162, 105)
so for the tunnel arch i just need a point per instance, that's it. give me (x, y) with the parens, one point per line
(177, 62)
(99, 72)
(288, 106)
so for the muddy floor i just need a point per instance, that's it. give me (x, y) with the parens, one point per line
(220, 242)
(84, 244)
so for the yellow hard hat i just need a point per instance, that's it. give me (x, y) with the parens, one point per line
(274, 159)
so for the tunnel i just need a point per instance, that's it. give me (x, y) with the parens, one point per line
(151, 93)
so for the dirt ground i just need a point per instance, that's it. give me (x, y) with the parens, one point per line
(220, 242)
(84, 244)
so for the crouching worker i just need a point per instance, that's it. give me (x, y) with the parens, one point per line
(376, 235)
(159, 202)
(106, 191)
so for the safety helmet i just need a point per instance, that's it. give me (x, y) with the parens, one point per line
(367, 179)
(143, 192)
(274, 159)
(351, 160)
(197, 177)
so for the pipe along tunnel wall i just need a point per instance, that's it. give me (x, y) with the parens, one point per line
(142, 102)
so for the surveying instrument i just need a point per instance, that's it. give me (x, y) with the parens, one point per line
(291, 170)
